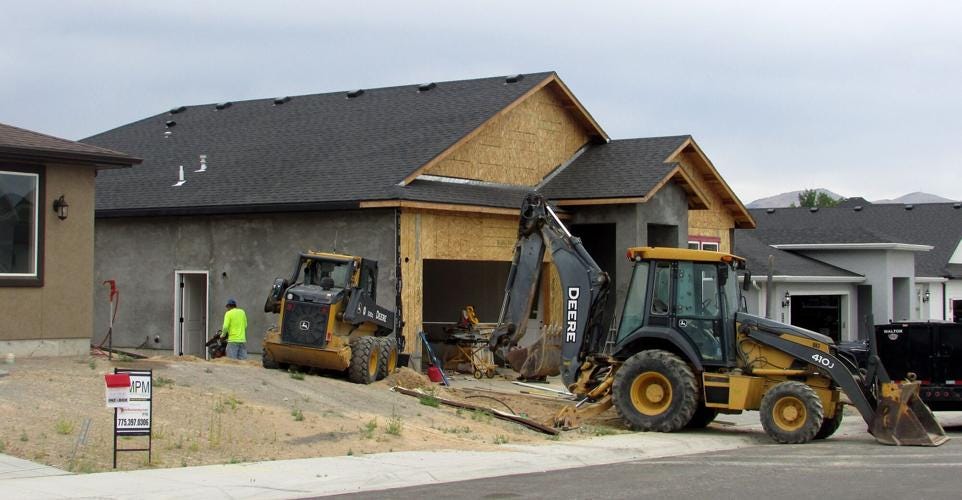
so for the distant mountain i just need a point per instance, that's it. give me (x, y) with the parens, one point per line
(786, 199)
(917, 197)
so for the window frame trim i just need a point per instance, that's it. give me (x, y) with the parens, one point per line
(36, 280)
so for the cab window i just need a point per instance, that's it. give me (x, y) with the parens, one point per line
(634, 312)
(661, 290)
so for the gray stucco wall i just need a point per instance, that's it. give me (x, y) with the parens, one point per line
(668, 207)
(879, 268)
(243, 255)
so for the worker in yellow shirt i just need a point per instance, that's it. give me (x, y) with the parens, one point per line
(235, 330)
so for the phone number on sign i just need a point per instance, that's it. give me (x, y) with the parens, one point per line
(129, 422)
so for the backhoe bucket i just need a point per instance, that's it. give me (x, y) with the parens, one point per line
(540, 359)
(902, 419)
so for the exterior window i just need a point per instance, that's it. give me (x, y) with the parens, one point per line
(710, 243)
(20, 227)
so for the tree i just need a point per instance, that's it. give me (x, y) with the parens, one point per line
(810, 198)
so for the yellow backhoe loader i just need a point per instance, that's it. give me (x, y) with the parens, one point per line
(684, 350)
(329, 319)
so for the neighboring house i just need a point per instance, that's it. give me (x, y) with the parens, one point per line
(840, 270)
(425, 179)
(46, 241)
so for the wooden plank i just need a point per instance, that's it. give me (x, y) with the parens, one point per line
(527, 422)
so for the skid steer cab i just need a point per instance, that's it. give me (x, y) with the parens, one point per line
(329, 320)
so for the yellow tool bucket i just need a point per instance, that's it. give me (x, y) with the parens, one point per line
(902, 419)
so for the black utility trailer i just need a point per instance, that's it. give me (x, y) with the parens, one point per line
(932, 351)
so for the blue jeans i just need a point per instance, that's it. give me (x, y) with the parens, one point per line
(237, 350)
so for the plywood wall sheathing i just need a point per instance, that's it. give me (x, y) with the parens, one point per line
(456, 236)
(520, 147)
(716, 221)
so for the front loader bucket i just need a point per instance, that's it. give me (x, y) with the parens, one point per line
(902, 419)
(540, 359)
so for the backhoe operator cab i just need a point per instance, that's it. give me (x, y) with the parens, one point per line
(329, 319)
(686, 297)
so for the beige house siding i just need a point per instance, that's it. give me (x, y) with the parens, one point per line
(63, 307)
(521, 146)
(716, 221)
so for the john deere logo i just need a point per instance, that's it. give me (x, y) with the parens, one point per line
(305, 325)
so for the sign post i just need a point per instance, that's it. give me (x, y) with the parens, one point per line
(133, 417)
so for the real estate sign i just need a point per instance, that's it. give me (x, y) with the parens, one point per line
(133, 417)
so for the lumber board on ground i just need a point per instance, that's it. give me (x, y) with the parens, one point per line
(531, 424)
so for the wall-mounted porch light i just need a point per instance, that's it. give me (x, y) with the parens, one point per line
(60, 207)
(787, 300)
(926, 296)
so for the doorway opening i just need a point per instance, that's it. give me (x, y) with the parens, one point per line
(190, 313)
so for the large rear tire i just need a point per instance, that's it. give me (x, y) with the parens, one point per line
(655, 391)
(365, 353)
(702, 417)
(791, 413)
(830, 425)
(387, 360)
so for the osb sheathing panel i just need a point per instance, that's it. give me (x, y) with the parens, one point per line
(715, 221)
(454, 236)
(520, 147)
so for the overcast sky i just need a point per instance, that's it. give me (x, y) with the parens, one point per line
(862, 98)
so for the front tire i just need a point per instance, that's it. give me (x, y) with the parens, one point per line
(267, 361)
(387, 362)
(655, 390)
(791, 413)
(365, 353)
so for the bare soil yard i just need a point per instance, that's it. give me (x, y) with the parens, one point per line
(227, 411)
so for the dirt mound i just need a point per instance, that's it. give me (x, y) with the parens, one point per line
(229, 361)
(408, 378)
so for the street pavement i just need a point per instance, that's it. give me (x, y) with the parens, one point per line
(717, 447)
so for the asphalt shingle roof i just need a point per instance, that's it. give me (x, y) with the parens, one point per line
(756, 253)
(935, 224)
(315, 150)
(619, 169)
(15, 141)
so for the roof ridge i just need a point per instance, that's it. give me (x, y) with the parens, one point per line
(78, 143)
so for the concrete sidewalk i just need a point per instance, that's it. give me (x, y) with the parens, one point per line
(331, 475)
(14, 468)
(349, 474)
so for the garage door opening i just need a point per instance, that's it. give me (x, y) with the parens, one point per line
(450, 285)
(818, 313)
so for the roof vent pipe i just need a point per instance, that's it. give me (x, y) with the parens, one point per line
(203, 164)
(424, 87)
(178, 109)
(909, 207)
(858, 208)
(281, 100)
(354, 93)
(957, 206)
(813, 209)
(514, 79)
(180, 178)
(223, 105)
(770, 211)
(170, 123)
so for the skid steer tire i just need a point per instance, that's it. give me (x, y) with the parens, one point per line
(365, 353)
(702, 417)
(830, 425)
(655, 391)
(267, 361)
(791, 413)
(387, 360)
